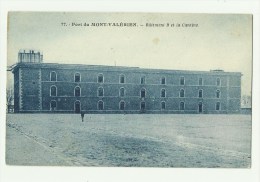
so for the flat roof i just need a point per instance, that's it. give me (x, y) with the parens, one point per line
(118, 68)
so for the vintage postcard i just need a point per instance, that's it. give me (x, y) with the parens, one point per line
(157, 90)
(129, 90)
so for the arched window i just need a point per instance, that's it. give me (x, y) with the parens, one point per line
(53, 76)
(163, 81)
(200, 93)
(163, 93)
(182, 93)
(77, 91)
(218, 82)
(100, 91)
(100, 78)
(218, 106)
(100, 105)
(53, 90)
(182, 80)
(163, 105)
(218, 93)
(122, 79)
(143, 92)
(53, 105)
(77, 77)
(122, 105)
(122, 92)
(182, 105)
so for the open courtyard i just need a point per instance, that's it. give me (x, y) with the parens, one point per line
(138, 140)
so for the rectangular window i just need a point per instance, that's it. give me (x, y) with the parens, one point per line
(200, 93)
(182, 80)
(143, 80)
(163, 81)
(200, 81)
(77, 77)
(163, 93)
(53, 76)
(100, 78)
(122, 79)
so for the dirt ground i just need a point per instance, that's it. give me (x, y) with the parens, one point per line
(139, 140)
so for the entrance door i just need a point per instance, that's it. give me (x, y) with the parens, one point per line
(200, 107)
(53, 105)
(77, 107)
(142, 107)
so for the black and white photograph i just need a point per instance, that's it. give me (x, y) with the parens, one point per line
(129, 89)
(90, 91)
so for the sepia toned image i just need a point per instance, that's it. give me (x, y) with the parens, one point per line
(129, 90)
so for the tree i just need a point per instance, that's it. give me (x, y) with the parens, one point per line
(9, 98)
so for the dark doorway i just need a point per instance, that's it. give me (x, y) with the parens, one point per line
(77, 107)
(122, 105)
(200, 107)
(100, 105)
(142, 107)
(53, 105)
(163, 105)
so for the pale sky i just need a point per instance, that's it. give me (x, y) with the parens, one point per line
(219, 42)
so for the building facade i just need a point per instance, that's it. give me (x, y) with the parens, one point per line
(49, 87)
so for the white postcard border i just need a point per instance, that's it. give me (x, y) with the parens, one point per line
(90, 174)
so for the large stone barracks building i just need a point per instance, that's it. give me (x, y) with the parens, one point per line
(62, 88)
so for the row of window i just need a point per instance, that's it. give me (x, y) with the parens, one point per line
(100, 105)
(100, 92)
(100, 79)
